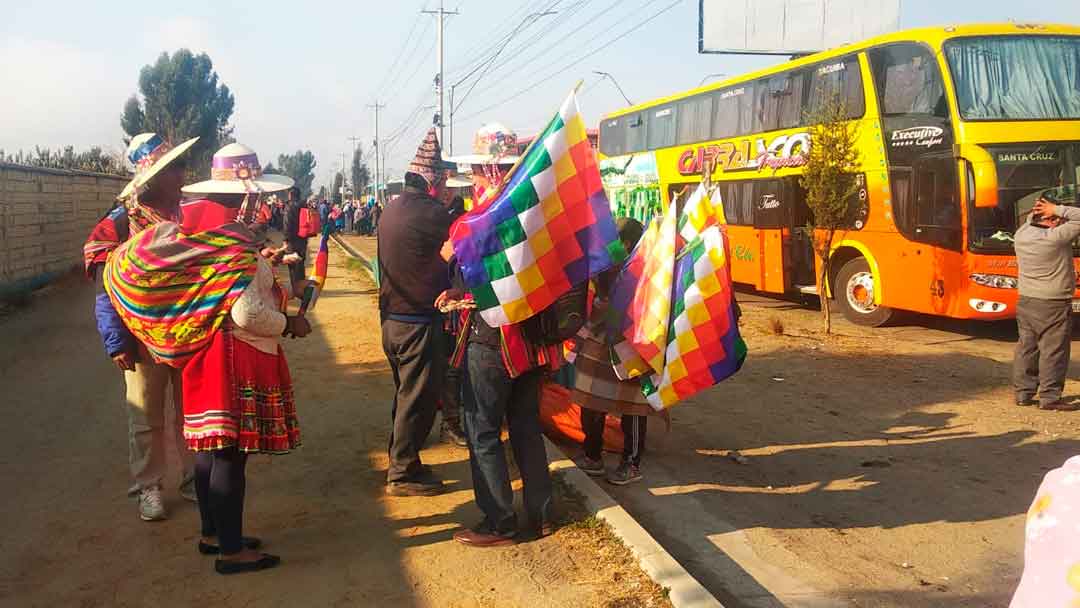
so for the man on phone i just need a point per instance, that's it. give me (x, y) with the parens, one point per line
(1047, 283)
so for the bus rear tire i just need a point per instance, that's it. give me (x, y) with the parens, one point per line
(854, 291)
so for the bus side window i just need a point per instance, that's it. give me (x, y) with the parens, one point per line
(728, 197)
(635, 133)
(732, 109)
(908, 80)
(937, 204)
(838, 79)
(695, 119)
(661, 127)
(613, 137)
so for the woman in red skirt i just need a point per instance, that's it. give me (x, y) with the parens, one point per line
(200, 296)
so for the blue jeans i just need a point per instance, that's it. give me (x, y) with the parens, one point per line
(490, 396)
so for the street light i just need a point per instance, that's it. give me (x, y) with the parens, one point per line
(720, 75)
(616, 83)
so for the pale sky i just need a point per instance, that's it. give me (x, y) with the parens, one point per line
(304, 73)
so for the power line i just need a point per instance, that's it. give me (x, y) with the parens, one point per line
(585, 23)
(390, 71)
(396, 82)
(479, 57)
(576, 61)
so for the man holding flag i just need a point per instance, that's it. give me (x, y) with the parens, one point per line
(541, 233)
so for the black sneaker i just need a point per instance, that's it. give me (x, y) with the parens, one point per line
(592, 468)
(452, 433)
(626, 473)
(428, 485)
(1026, 402)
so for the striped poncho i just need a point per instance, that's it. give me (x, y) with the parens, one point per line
(174, 290)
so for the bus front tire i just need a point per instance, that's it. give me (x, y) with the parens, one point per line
(854, 291)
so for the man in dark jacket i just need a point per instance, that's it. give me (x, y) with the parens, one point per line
(294, 243)
(413, 275)
(153, 196)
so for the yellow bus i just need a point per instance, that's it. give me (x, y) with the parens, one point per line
(960, 129)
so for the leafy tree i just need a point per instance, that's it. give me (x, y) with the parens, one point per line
(300, 166)
(339, 182)
(271, 169)
(179, 98)
(361, 175)
(831, 181)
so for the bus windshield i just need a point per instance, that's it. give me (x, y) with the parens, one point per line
(1025, 174)
(1016, 77)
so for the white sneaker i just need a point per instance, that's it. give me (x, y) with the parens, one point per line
(187, 490)
(151, 506)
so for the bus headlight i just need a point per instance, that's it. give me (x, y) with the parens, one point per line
(1000, 281)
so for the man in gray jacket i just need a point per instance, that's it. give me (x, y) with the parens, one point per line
(1047, 282)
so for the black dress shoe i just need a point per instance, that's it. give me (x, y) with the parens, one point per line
(247, 542)
(1026, 402)
(267, 561)
(483, 538)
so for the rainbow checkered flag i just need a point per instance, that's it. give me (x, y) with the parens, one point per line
(318, 279)
(673, 324)
(703, 342)
(641, 301)
(549, 229)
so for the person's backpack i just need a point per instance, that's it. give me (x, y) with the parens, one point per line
(309, 224)
(560, 321)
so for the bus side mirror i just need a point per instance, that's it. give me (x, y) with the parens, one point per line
(980, 177)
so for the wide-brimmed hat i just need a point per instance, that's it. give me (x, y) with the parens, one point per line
(494, 144)
(458, 181)
(429, 160)
(149, 153)
(235, 169)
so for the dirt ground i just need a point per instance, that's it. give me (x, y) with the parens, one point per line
(882, 467)
(72, 538)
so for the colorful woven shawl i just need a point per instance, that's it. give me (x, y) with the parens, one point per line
(107, 235)
(174, 290)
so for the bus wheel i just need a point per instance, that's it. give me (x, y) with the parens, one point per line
(854, 290)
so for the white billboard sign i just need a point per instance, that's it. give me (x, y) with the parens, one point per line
(791, 27)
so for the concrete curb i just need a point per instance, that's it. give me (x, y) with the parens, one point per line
(348, 249)
(684, 590)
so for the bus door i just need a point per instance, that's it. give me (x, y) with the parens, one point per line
(922, 173)
(772, 220)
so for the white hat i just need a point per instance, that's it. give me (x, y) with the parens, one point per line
(150, 154)
(493, 144)
(236, 170)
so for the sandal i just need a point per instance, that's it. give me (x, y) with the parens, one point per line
(267, 561)
(248, 542)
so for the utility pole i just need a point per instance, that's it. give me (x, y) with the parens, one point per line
(378, 148)
(442, 13)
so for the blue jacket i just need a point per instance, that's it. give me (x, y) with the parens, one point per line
(114, 336)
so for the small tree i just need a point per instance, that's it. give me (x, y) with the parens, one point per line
(831, 182)
(361, 175)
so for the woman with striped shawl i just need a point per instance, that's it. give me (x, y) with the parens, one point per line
(200, 297)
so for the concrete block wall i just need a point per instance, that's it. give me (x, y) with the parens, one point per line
(45, 217)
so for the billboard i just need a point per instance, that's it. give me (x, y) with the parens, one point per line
(791, 27)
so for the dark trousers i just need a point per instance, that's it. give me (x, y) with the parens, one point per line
(490, 396)
(1041, 360)
(633, 428)
(220, 483)
(451, 396)
(417, 356)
